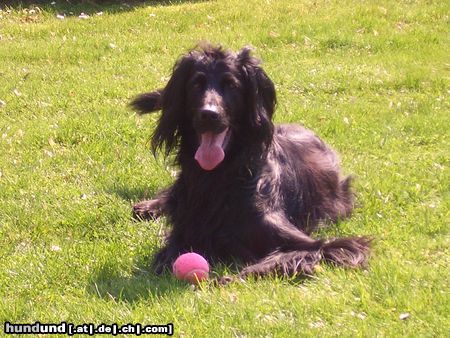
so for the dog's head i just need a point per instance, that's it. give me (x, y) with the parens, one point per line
(215, 103)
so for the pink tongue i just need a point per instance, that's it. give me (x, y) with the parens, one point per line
(210, 153)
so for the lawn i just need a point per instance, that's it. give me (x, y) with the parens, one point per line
(370, 77)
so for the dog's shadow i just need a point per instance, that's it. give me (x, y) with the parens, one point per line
(133, 193)
(115, 282)
(110, 283)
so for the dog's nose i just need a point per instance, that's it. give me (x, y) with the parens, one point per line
(209, 115)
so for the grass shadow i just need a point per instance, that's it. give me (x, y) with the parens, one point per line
(75, 7)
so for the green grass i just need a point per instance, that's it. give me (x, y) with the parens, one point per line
(372, 78)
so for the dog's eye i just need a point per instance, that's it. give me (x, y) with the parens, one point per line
(229, 82)
(198, 81)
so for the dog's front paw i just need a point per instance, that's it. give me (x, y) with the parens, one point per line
(225, 280)
(161, 267)
(163, 260)
(147, 210)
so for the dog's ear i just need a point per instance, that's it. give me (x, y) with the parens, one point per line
(173, 104)
(148, 102)
(260, 93)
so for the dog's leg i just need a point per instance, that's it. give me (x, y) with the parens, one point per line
(347, 252)
(152, 209)
(148, 210)
(284, 263)
(282, 234)
(164, 258)
(277, 262)
(297, 253)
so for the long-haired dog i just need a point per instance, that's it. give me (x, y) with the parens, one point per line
(247, 191)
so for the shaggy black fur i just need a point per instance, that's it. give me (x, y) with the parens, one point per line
(247, 190)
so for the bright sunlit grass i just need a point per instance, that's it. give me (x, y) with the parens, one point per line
(371, 78)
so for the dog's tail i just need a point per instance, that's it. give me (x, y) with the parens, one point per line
(148, 102)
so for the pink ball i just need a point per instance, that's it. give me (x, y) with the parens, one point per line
(191, 267)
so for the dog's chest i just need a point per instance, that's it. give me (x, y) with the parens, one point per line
(214, 202)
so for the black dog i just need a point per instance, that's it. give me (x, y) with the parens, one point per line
(247, 190)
